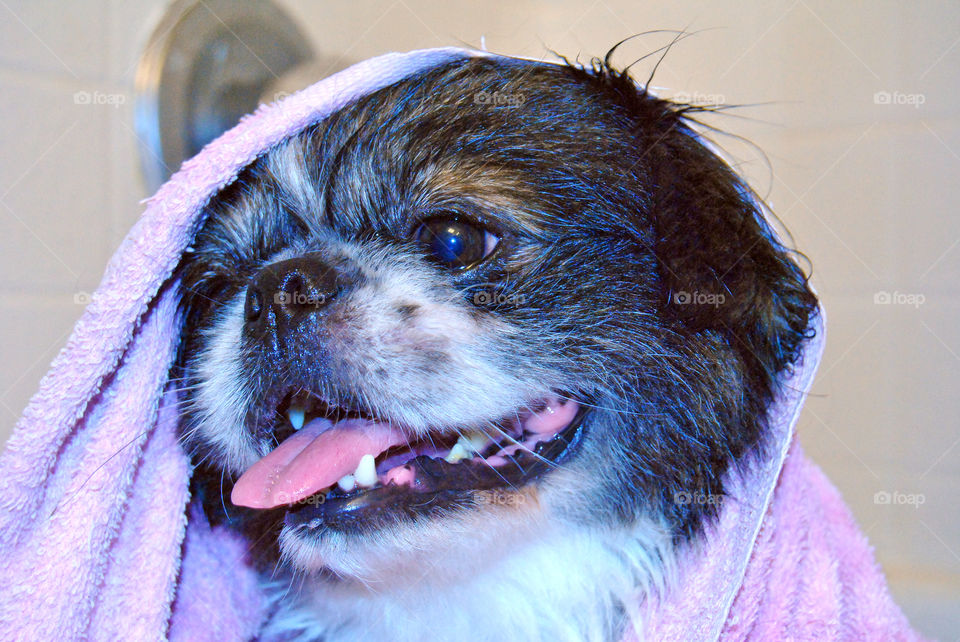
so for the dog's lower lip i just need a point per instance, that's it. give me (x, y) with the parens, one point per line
(436, 483)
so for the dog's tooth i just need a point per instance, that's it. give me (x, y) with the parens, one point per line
(366, 472)
(474, 441)
(457, 453)
(296, 414)
(347, 483)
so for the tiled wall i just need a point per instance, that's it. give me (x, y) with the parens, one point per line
(869, 190)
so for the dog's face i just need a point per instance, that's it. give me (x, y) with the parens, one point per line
(492, 302)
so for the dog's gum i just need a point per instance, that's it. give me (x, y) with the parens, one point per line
(400, 475)
(557, 414)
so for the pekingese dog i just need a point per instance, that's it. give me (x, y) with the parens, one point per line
(454, 352)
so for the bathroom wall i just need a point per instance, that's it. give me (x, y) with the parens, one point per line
(854, 136)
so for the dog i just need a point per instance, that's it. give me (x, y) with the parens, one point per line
(456, 353)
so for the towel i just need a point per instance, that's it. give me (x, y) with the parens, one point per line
(99, 539)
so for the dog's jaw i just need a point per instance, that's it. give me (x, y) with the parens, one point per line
(514, 574)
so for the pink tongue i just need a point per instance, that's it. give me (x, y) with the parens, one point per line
(313, 458)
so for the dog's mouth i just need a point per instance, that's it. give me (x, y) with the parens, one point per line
(341, 467)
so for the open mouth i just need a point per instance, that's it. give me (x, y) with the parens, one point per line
(340, 467)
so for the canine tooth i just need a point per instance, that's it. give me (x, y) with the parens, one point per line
(296, 414)
(474, 441)
(347, 483)
(457, 453)
(366, 472)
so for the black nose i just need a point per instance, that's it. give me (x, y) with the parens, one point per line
(282, 294)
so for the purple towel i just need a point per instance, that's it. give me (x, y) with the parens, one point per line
(98, 540)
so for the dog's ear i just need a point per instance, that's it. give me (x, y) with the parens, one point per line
(721, 266)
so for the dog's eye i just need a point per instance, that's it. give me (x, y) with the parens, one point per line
(454, 242)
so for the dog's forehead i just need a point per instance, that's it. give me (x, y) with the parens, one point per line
(536, 152)
(502, 141)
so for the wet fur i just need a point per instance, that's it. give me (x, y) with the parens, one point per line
(636, 272)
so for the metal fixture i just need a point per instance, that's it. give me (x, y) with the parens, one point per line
(207, 64)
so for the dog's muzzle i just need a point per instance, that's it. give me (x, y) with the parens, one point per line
(335, 464)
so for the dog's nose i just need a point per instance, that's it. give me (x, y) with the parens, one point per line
(283, 292)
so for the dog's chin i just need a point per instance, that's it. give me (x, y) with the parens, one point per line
(507, 571)
(443, 549)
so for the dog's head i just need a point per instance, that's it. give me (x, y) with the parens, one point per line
(492, 300)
